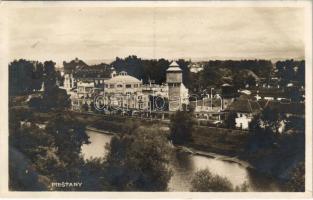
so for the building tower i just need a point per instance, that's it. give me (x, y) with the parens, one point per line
(174, 77)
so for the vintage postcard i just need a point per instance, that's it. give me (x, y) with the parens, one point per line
(156, 99)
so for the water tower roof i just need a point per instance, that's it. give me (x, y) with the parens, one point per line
(174, 67)
(174, 64)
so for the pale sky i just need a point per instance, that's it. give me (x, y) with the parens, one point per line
(194, 33)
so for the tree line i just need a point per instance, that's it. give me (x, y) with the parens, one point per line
(291, 70)
(29, 76)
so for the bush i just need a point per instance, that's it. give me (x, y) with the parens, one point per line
(181, 127)
(297, 181)
(205, 181)
(138, 161)
(35, 103)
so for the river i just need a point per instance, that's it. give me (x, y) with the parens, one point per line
(184, 165)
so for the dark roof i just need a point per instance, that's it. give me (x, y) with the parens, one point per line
(99, 71)
(263, 102)
(244, 105)
(287, 108)
(270, 93)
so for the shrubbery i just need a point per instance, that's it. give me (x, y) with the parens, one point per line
(181, 127)
(138, 161)
(205, 181)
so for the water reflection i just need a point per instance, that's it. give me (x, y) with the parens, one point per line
(184, 166)
(96, 148)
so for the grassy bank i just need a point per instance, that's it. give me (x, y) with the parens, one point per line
(222, 141)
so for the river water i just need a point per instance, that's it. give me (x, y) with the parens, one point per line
(184, 165)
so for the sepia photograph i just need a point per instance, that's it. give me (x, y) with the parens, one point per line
(158, 97)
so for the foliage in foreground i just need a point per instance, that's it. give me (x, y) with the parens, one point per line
(138, 161)
(205, 181)
(52, 153)
(297, 180)
(181, 127)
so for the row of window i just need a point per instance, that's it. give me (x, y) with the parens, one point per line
(121, 85)
(173, 84)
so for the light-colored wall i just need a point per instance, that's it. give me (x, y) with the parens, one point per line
(174, 77)
(135, 87)
(174, 96)
(242, 120)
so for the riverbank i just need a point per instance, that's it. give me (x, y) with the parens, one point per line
(225, 145)
(276, 161)
(89, 128)
(185, 165)
(215, 156)
(190, 150)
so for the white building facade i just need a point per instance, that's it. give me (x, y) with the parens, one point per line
(125, 92)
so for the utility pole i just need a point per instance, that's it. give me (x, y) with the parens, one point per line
(211, 99)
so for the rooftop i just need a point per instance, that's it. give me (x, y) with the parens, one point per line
(244, 105)
(123, 78)
(174, 67)
(288, 108)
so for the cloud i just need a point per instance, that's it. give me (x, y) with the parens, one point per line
(203, 32)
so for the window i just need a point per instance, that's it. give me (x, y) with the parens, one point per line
(128, 86)
(135, 85)
(119, 86)
(112, 86)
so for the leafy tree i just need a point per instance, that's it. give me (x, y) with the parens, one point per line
(51, 154)
(27, 145)
(22, 175)
(209, 76)
(37, 76)
(55, 98)
(270, 119)
(20, 77)
(186, 72)
(300, 75)
(297, 123)
(287, 73)
(205, 181)
(295, 94)
(239, 81)
(261, 132)
(50, 75)
(251, 81)
(138, 162)
(59, 78)
(93, 175)
(69, 135)
(181, 127)
(297, 180)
